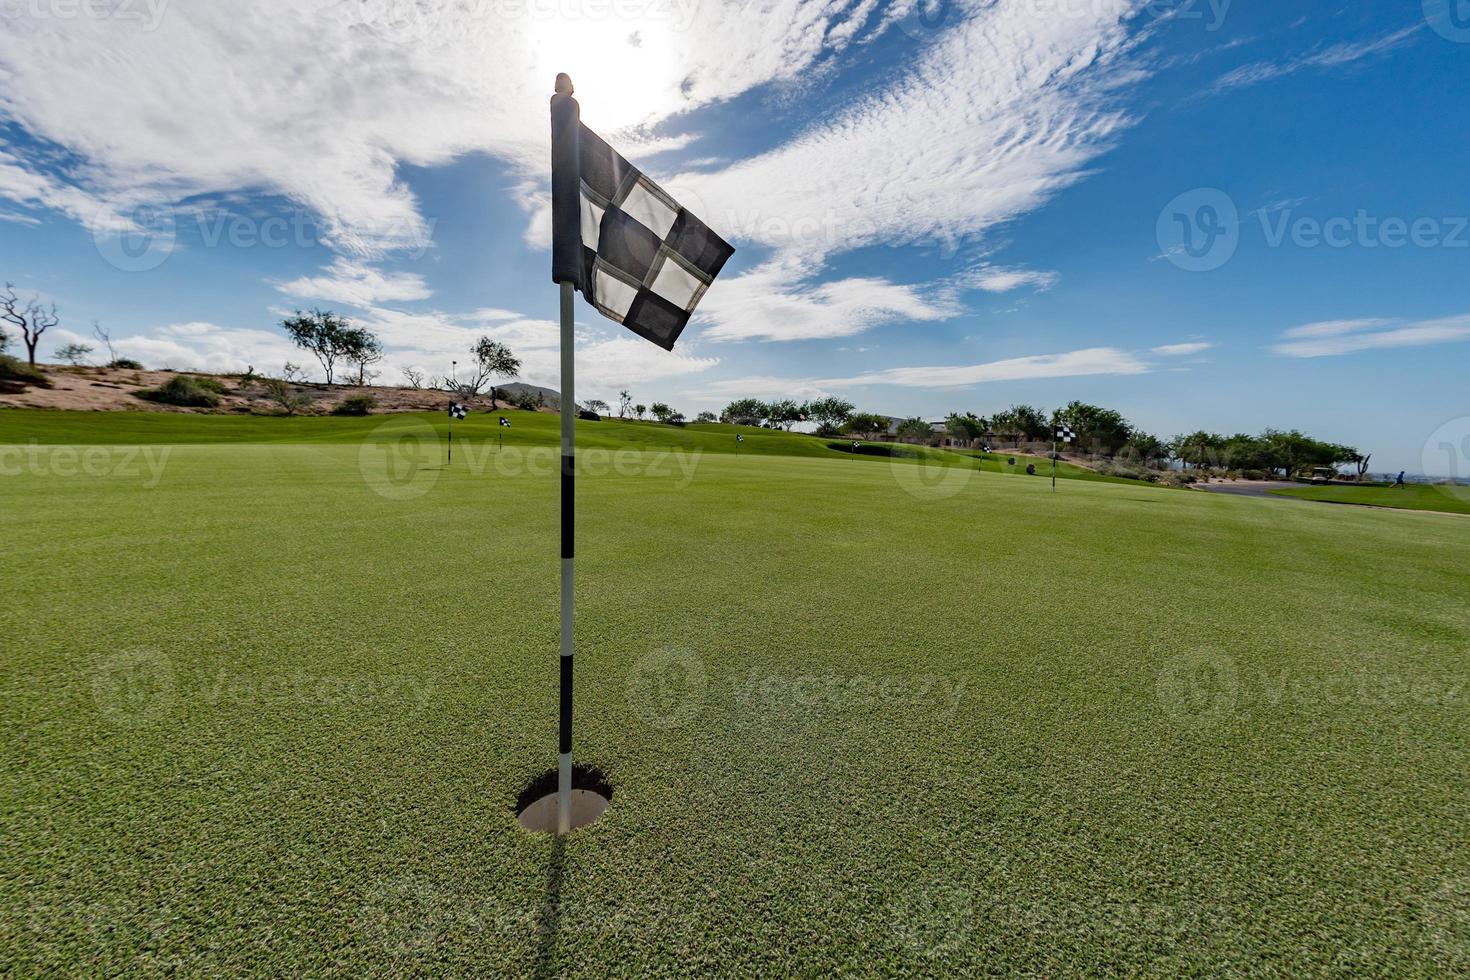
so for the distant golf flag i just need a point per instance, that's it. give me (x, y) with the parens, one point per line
(1065, 435)
(504, 422)
(636, 255)
(641, 260)
(456, 411)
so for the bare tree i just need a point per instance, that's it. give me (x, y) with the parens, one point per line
(105, 336)
(292, 372)
(492, 360)
(414, 376)
(32, 318)
(625, 404)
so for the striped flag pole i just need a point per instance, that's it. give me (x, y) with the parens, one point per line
(566, 257)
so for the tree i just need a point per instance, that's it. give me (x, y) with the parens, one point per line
(625, 404)
(965, 428)
(744, 411)
(324, 335)
(285, 395)
(105, 337)
(915, 430)
(830, 414)
(1145, 448)
(362, 347)
(867, 424)
(1101, 430)
(414, 377)
(292, 372)
(1023, 422)
(597, 405)
(33, 319)
(705, 417)
(73, 354)
(666, 415)
(783, 414)
(639, 410)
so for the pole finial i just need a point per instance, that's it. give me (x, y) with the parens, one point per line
(564, 84)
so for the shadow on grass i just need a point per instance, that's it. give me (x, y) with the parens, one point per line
(549, 927)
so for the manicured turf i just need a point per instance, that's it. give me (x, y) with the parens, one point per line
(267, 707)
(1448, 499)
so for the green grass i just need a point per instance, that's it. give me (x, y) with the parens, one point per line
(267, 708)
(1415, 496)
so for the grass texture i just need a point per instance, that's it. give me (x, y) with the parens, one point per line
(1447, 498)
(267, 706)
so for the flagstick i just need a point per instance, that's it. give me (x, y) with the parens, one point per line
(568, 526)
(451, 436)
(1053, 462)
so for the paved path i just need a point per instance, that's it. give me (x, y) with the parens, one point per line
(1249, 488)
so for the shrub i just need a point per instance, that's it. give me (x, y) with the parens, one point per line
(355, 405)
(125, 364)
(185, 391)
(15, 375)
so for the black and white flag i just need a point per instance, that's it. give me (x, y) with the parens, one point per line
(456, 410)
(636, 255)
(1066, 435)
(505, 421)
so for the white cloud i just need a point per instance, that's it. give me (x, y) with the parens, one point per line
(357, 284)
(1334, 328)
(1333, 56)
(1182, 350)
(321, 102)
(776, 301)
(1350, 336)
(995, 279)
(209, 347)
(1095, 360)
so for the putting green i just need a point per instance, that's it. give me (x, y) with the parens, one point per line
(268, 705)
(1451, 499)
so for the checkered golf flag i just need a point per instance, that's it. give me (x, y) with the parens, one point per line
(505, 421)
(637, 256)
(456, 410)
(1066, 435)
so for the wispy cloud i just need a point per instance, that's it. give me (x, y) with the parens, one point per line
(1182, 350)
(1094, 360)
(1334, 56)
(358, 284)
(996, 279)
(1350, 336)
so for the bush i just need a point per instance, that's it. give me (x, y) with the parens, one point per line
(186, 392)
(15, 375)
(356, 405)
(125, 364)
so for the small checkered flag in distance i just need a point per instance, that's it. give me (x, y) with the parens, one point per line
(636, 255)
(505, 422)
(1066, 435)
(456, 410)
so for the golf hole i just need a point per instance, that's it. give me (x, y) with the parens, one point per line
(536, 804)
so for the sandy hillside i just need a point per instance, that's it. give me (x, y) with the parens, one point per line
(95, 389)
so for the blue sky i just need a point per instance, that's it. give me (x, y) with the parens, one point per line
(1209, 214)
